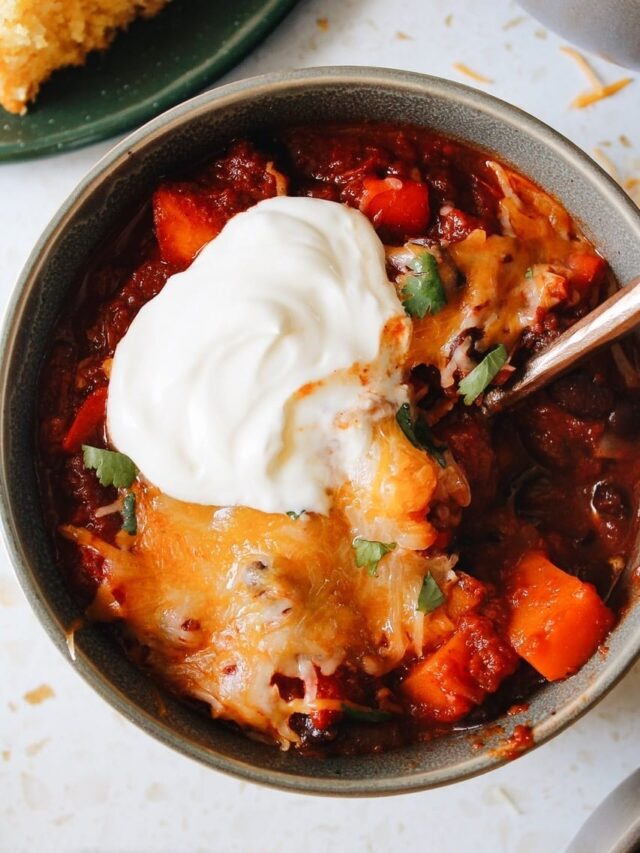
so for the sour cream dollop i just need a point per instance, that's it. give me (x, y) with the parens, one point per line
(253, 378)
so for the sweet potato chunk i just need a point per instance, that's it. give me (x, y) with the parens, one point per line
(445, 686)
(185, 220)
(188, 214)
(441, 685)
(557, 621)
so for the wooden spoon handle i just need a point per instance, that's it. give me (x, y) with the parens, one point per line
(611, 320)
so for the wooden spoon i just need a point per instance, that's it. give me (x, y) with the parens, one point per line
(611, 320)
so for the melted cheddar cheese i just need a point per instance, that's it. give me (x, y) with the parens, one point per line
(507, 280)
(227, 598)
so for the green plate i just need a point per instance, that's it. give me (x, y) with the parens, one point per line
(148, 68)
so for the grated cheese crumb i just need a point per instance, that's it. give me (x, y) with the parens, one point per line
(588, 98)
(70, 635)
(599, 91)
(584, 66)
(469, 72)
(39, 694)
(514, 22)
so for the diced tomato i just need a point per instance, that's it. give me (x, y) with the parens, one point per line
(557, 621)
(445, 686)
(586, 269)
(184, 222)
(345, 685)
(92, 564)
(88, 417)
(400, 206)
(455, 225)
(329, 687)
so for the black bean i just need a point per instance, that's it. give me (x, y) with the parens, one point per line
(624, 420)
(579, 395)
(609, 499)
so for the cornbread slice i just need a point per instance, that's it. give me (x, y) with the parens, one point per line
(38, 36)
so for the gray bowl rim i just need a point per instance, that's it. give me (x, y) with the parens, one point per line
(614, 668)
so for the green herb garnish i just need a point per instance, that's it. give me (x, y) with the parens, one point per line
(369, 553)
(430, 595)
(112, 468)
(129, 521)
(420, 435)
(482, 375)
(424, 263)
(528, 273)
(361, 716)
(423, 292)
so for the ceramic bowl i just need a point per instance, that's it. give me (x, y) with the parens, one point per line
(122, 180)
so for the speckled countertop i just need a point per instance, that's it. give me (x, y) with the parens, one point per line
(74, 776)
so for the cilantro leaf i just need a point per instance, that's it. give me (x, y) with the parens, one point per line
(369, 553)
(482, 375)
(424, 262)
(359, 715)
(294, 515)
(129, 520)
(423, 292)
(420, 435)
(427, 442)
(422, 296)
(430, 595)
(112, 468)
(528, 273)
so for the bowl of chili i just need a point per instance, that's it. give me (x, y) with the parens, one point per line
(332, 125)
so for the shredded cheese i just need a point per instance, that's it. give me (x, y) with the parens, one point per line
(510, 278)
(588, 98)
(282, 182)
(595, 81)
(70, 635)
(109, 509)
(469, 72)
(599, 90)
(227, 599)
(513, 22)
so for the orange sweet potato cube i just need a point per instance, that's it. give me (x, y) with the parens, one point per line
(557, 621)
(445, 686)
(441, 685)
(185, 221)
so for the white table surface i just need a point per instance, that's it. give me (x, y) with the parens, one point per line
(74, 776)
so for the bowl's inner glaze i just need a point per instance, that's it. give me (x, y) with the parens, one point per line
(118, 185)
